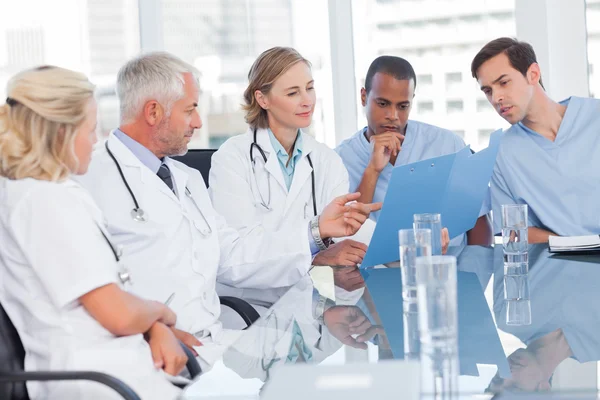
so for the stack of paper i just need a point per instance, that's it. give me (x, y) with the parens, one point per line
(574, 244)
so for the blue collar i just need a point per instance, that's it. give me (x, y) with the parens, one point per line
(142, 153)
(282, 155)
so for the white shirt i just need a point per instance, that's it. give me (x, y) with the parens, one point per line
(169, 255)
(52, 253)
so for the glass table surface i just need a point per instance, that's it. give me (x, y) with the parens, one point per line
(551, 353)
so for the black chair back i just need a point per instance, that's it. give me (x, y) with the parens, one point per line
(198, 159)
(12, 357)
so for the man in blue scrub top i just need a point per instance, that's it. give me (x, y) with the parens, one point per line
(548, 159)
(390, 139)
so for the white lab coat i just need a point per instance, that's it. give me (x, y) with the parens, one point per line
(234, 192)
(53, 253)
(168, 254)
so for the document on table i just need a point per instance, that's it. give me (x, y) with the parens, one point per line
(574, 244)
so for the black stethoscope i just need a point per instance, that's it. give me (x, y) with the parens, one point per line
(123, 273)
(138, 214)
(267, 204)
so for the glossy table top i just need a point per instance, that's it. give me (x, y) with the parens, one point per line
(493, 357)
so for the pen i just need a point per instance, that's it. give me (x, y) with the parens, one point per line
(170, 299)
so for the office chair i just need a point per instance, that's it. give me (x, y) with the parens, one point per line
(13, 377)
(198, 159)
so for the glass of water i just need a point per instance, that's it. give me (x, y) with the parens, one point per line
(434, 223)
(438, 322)
(514, 232)
(413, 243)
(516, 295)
(518, 312)
(436, 293)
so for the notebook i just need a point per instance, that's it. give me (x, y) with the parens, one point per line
(574, 244)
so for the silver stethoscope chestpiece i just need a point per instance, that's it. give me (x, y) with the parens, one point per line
(203, 231)
(124, 277)
(138, 215)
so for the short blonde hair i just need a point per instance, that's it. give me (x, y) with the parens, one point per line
(39, 122)
(267, 68)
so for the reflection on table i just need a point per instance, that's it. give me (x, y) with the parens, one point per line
(373, 324)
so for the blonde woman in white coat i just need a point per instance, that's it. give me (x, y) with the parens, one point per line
(62, 285)
(275, 174)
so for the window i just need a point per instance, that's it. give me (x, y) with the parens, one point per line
(425, 107)
(454, 106)
(424, 79)
(439, 39)
(453, 77)
(483, 137)
(453, 83)
(471, 19)
(95, 39)
(220, 37)
(593, 42)
(223, 38)
(483, 105)
(388, 27)
(216, 141)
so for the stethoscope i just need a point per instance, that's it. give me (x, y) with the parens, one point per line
(267, 204)
(123, 274)
(138, 214)
(266, 366)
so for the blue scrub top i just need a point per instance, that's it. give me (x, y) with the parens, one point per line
(422, 141)
(560, 180)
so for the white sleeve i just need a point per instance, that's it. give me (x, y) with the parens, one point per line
(63, 244)
(259, 259)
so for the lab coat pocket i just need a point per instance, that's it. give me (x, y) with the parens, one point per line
(206, 250)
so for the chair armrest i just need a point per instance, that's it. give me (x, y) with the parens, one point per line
(242, 307)
(192, 365)
(116, 384)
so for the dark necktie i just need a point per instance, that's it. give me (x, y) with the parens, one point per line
(164, 173)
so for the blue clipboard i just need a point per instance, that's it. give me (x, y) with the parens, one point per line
(453, 185)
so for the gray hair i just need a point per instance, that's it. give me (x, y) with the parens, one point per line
(151, 76)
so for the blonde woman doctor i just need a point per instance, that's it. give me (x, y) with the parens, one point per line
(62, 284)
(276, 175)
